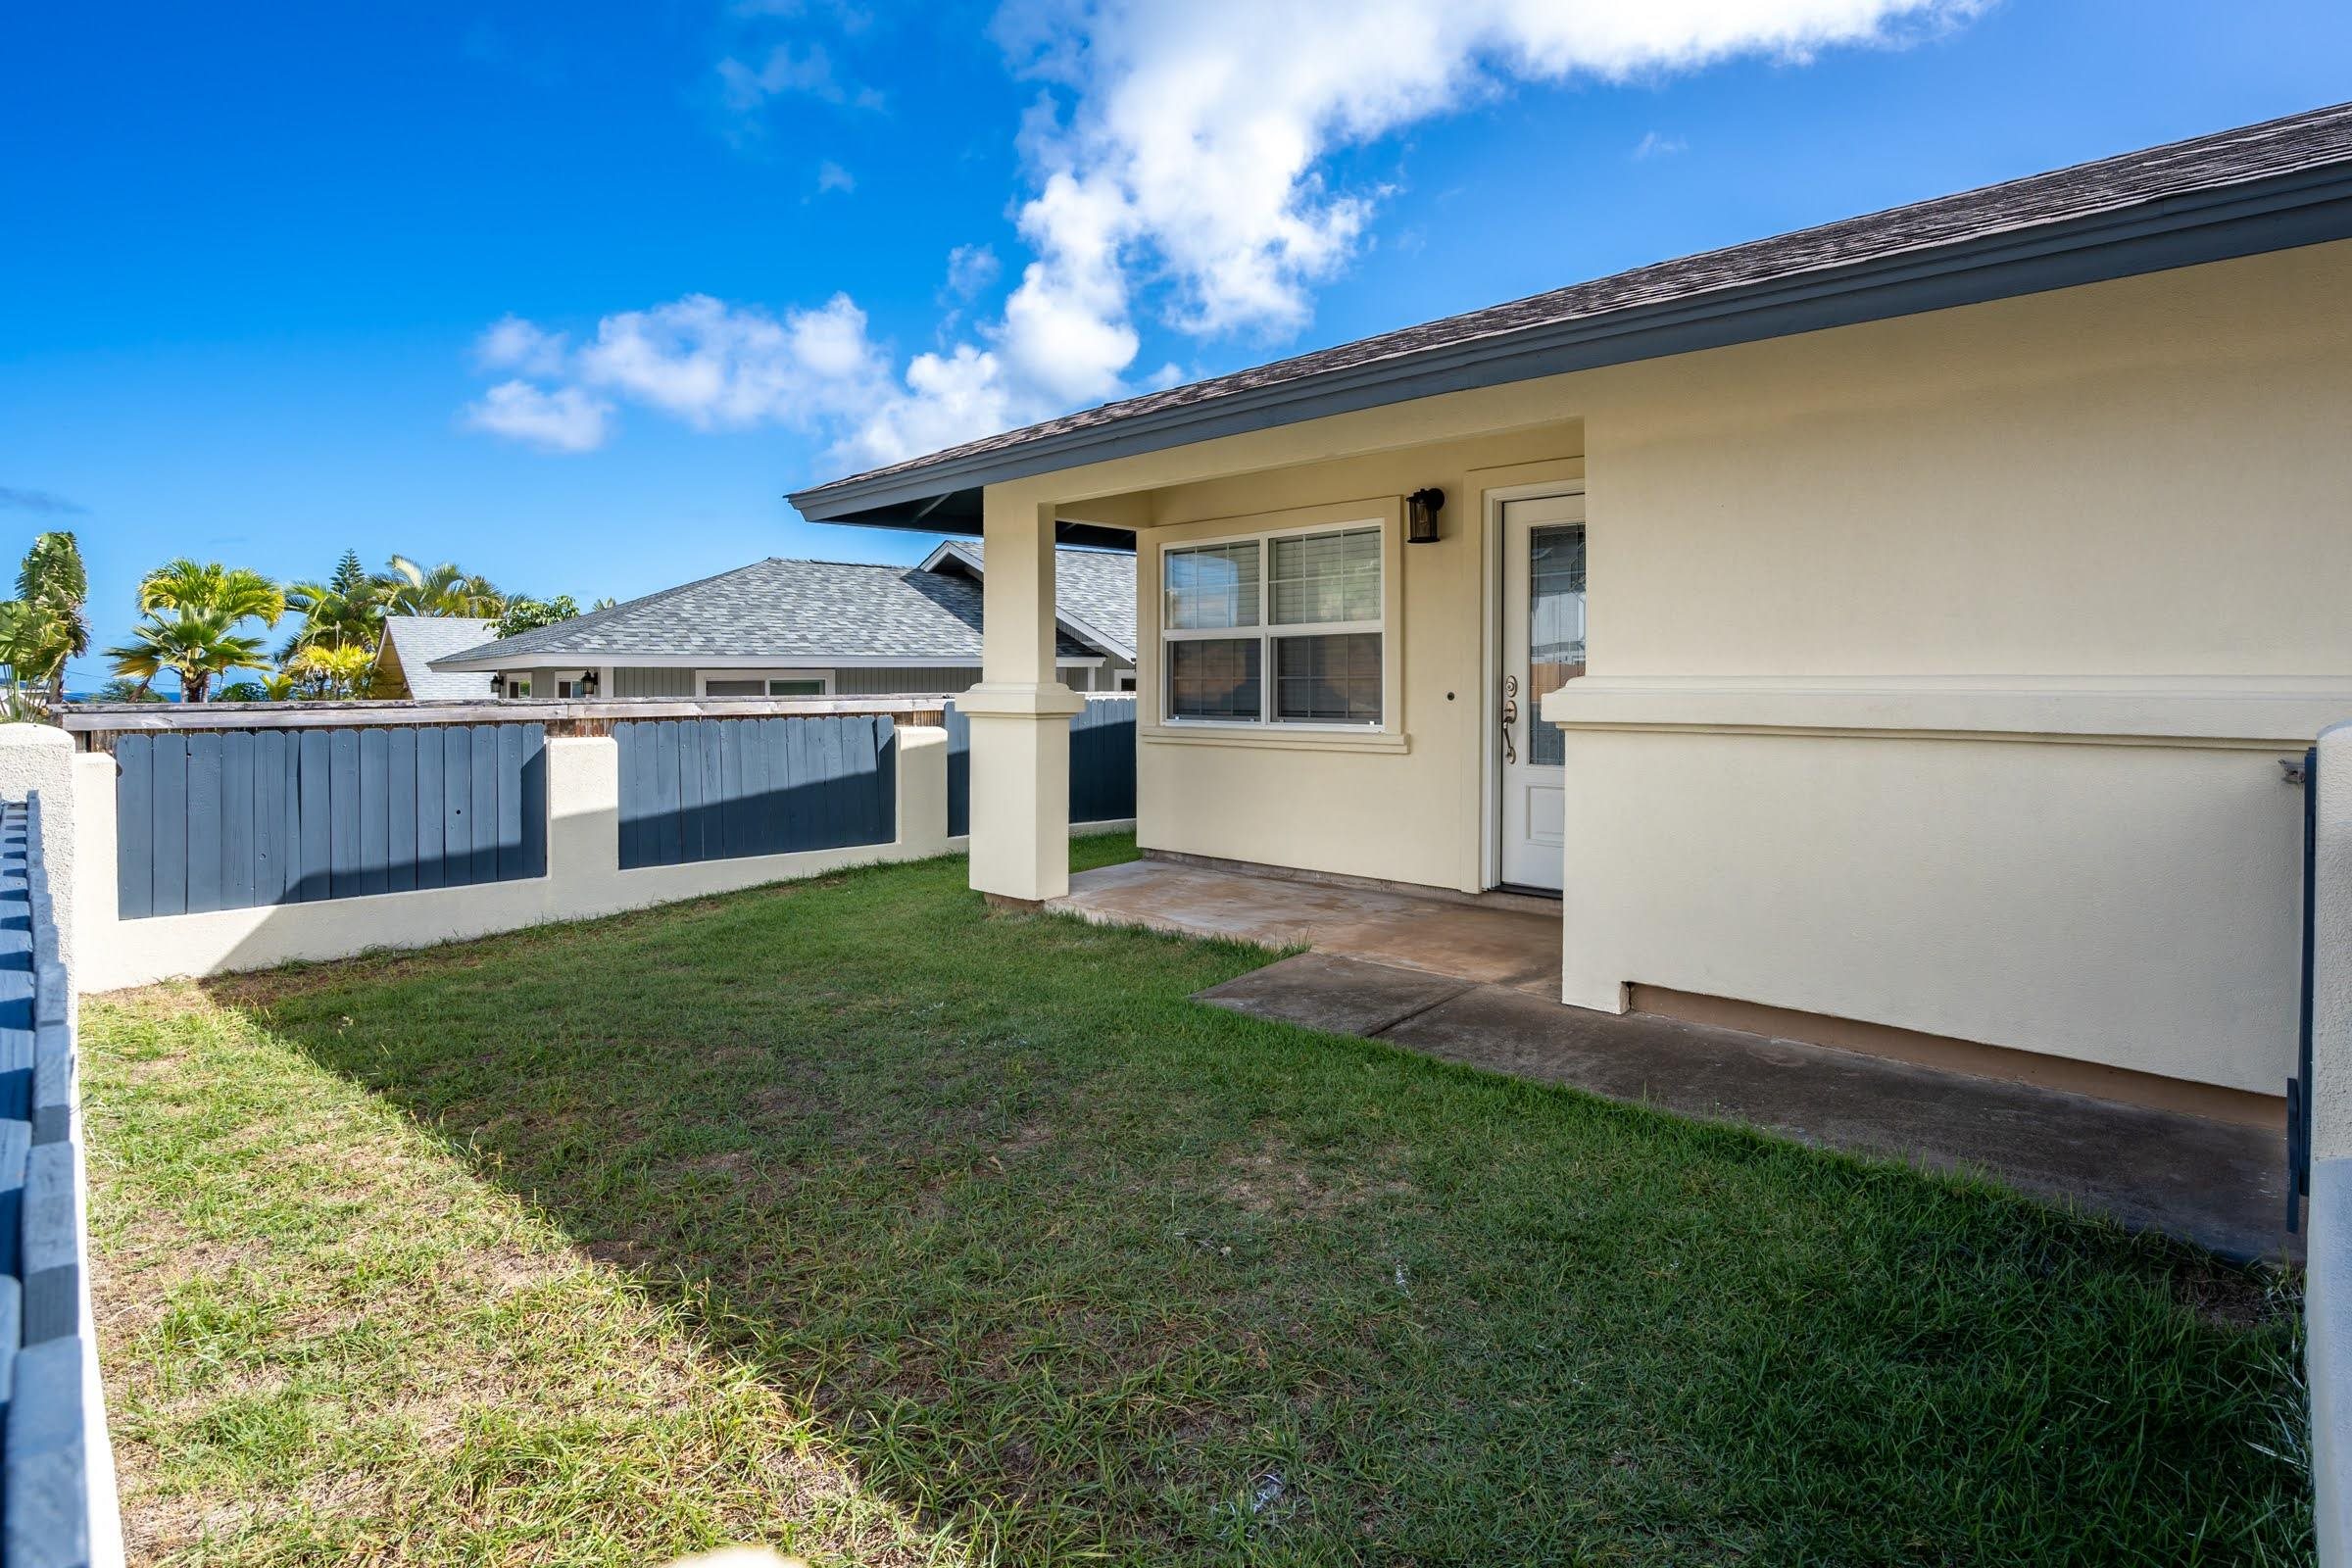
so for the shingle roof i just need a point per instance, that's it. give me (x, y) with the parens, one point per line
(2141, 180)
(415, 641)
(1092, 587)
(780, 611)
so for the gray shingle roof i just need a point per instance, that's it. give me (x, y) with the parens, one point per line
(774, 610)
(2138, 181)
(1095, 587)
(415, 641)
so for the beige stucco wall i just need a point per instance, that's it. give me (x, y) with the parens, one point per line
(2013, 523)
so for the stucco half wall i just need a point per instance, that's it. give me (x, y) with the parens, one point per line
(2116, 505)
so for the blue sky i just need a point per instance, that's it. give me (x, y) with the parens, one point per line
(254, 254)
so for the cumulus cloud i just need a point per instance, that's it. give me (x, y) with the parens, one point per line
(566, 419)
(1180, 166)
(831, 176)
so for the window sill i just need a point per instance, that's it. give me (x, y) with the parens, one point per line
(1276, 737)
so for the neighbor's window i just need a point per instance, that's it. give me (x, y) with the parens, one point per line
(764, 686)
(1283, 629)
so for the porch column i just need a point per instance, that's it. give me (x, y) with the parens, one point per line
(1020, 714)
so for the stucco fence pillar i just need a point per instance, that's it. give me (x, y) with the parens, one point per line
(2328, 1299)
(584, 877)
(39, 759)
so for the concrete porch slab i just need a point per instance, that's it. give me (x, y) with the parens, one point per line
(2215, 1184)
(1462, 939)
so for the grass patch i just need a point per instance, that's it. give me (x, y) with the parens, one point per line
(853, 1218)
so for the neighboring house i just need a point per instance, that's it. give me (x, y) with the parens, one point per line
(1957, 579)
(813, 628)
(410, 642)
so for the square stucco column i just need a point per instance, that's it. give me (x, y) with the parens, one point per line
(1020, 714)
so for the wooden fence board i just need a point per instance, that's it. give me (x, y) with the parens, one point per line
(171, 824)
(481, 866)
(134, 826)
(375, 811)
(240, 813)
(400, 810)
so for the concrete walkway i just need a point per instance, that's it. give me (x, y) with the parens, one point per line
(1465, 982)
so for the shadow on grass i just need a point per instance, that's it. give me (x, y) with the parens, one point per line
(1069, 1264)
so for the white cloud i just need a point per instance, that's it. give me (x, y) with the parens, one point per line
(831, 176)
(971, 270)
(806, 71)
(567, 420)
(515, 344)
(1180, 160)
(1653, 145)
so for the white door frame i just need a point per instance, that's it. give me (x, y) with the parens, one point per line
(1489, 727)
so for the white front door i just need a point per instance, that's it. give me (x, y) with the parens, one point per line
(1542, 646)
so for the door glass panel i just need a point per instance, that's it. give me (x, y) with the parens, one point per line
(1556, 630)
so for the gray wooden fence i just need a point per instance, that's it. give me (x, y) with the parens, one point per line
(1101, 764)
(230, 820)
(717, 789)
(45, 1446)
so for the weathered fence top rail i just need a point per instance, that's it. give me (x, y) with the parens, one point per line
(94, 722)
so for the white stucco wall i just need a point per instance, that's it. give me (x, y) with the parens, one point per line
(2121, 504)
(584, 877)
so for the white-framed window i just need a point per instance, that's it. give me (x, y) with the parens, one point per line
(766, 683)
(1286, 627)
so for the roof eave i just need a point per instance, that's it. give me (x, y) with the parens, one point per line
(2280, 212)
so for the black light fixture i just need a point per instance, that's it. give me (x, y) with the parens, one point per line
(1421, 509)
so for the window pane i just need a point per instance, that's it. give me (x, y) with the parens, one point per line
(1328, 679)
(1212, 587)
(796, 688)
(731, 688)
(1213, 679)
(1326, 578)
(1555, 628)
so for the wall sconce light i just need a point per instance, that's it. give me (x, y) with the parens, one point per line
(1421, 509)
(588, 683)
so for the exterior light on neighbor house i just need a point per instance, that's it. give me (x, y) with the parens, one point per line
(1421, 509)
(588, 684)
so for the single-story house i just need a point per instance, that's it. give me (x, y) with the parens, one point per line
(815, 628)
(1889, 632)
(410, 642)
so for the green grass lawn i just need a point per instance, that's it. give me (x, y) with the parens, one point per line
(855, 1220)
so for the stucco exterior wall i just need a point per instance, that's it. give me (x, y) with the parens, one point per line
(1403, 804)
(2121, 504)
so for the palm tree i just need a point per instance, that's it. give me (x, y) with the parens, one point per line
(442, 590)
(43, 627)
(208, 586)
(348, 607)
(196, 645)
